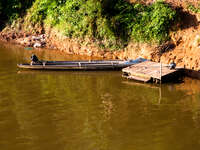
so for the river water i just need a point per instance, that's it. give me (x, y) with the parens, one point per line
(66, 110)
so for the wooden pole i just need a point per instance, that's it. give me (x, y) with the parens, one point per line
(160, 73)
(160, 95)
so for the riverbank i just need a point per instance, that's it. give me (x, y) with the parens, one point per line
(55, 40)
(182, 48)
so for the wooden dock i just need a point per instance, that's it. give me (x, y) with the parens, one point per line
(150, 71)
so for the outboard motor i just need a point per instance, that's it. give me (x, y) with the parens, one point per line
(34, 58)
(172, 65)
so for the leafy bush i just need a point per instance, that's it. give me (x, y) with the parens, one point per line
(116, 22)
(12, 9)
(193, 8)
(111, 23)
(84, 18)
(38, 12)
(153, 22)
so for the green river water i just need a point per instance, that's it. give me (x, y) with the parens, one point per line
(75, 110)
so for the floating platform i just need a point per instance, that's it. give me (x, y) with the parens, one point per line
(149, 71)
(81, 65)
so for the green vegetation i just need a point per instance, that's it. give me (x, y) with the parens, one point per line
(12, 9)
(110, 23)
(193, 8)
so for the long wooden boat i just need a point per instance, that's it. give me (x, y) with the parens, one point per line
(81, 65)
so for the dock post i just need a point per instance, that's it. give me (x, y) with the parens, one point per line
(160, 95)
(160, 72)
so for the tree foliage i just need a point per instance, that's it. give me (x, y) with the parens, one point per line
(193, 8)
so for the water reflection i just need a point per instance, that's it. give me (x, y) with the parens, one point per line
(92, 110)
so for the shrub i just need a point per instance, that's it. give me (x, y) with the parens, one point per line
(152, 23)
(193, 8)
(111, 23)
(13, 9)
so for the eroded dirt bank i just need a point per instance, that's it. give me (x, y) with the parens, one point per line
(52, 39)
(184, 49)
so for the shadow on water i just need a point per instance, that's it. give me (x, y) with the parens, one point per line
(192, 73)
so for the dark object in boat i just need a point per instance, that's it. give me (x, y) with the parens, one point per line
(34, 58)
(172, 65)
(37, 64)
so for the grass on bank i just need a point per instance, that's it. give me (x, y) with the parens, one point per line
(193, 8)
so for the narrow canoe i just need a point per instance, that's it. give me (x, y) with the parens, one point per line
(81, 65)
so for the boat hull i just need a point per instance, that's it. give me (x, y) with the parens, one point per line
(80, 65)
(70, 67)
